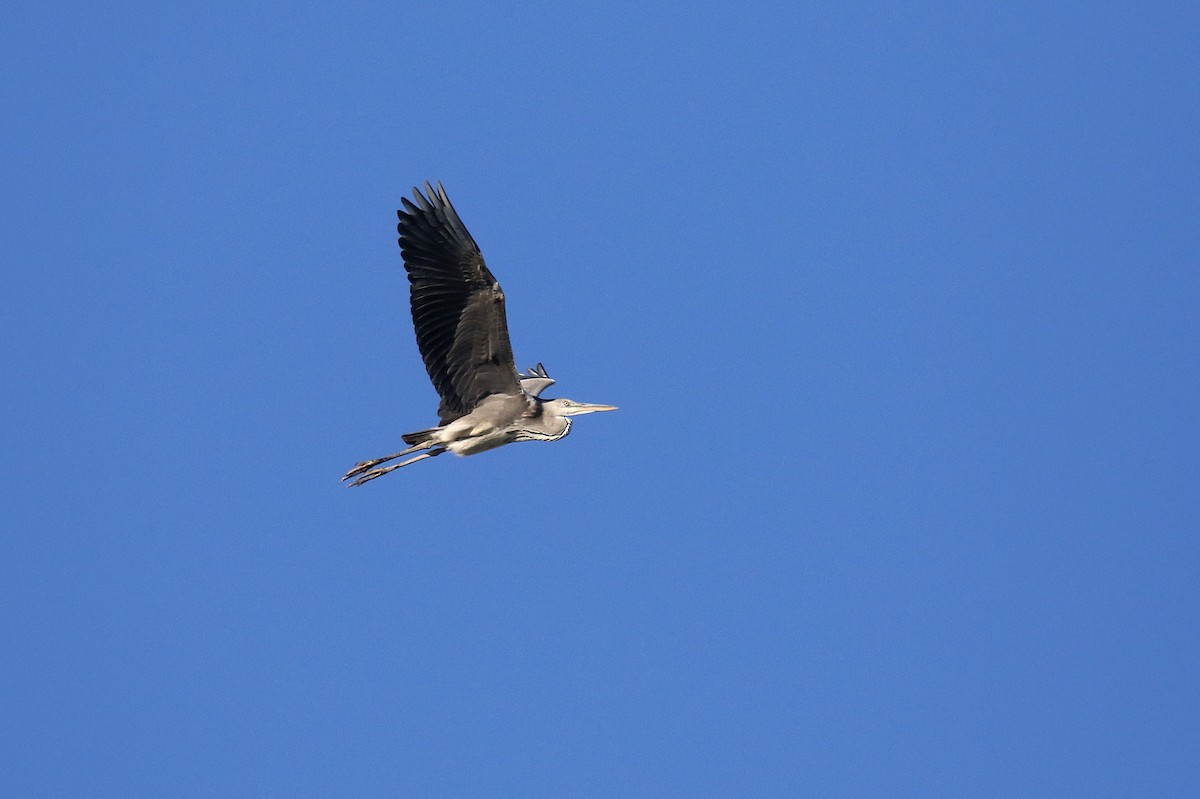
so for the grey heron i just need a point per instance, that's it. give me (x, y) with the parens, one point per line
(462, 333)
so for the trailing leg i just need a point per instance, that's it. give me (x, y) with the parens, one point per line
(382, 470)
(365, 465)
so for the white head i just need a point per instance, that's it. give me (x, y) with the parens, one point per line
(566, 407)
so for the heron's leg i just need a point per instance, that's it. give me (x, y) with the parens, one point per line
(372, 474)
(365, 465)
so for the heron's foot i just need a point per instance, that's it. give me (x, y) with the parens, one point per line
(368, 476)
(365, 465)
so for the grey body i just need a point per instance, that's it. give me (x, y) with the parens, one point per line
(462, 332)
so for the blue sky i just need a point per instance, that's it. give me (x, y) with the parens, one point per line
(899, 302)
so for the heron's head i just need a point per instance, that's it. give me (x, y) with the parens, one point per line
(566, 407)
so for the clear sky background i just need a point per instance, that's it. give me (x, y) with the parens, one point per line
(899, 302)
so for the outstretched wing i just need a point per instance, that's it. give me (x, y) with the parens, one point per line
(457, 306)
(535, 381)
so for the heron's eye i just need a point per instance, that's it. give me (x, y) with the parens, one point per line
(567, 403)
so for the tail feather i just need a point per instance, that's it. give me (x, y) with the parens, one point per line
(419, 437)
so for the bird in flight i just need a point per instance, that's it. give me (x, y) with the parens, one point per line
(462, 333)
